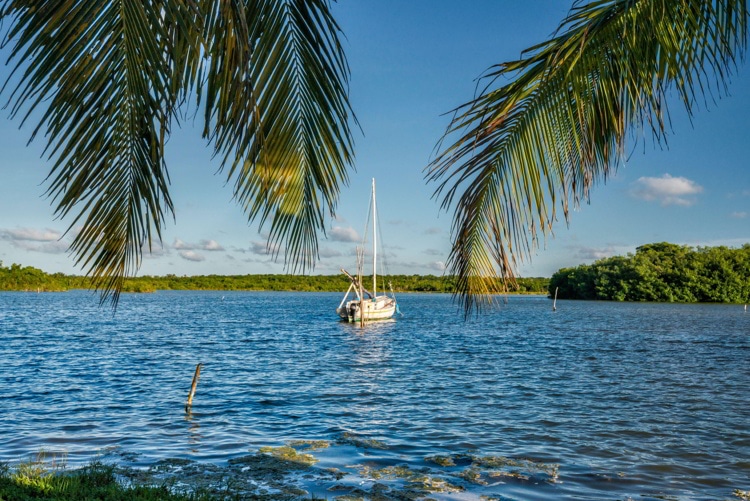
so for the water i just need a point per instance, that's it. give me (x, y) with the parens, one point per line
(646, 401)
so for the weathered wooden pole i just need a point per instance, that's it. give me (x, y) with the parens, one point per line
(196, 376)
(554, 303)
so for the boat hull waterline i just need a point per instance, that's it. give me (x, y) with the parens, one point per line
(380, 308)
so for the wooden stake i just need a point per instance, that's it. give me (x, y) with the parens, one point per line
(554, 303)
(196, 376)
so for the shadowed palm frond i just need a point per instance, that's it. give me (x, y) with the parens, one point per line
(96, 75)
(105, 79)
(520, 150)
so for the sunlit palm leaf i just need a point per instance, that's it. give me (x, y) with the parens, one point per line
(520, 150)
(281, 122)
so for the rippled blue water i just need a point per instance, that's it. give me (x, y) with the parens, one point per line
(632, 400)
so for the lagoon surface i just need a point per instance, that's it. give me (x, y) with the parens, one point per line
(593, 401)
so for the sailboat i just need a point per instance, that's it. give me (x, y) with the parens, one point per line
(365, 303)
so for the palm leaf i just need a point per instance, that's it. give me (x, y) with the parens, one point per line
(99, 76)
(281, 123)
(105, 79)
(520, 150)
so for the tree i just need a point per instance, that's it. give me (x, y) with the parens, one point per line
(546, 128)
(109, 79)
(661, 272)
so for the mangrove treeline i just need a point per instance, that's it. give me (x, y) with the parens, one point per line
(27, 278)
(661, 272)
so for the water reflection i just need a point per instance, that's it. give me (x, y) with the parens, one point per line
(194, 431)
(194, 435)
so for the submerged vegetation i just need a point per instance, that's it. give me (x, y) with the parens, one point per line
(27, 278)
(661, 272)
(273, 473)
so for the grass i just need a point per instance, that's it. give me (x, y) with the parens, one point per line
(41, 479)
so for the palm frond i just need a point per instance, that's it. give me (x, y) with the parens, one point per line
(98, 76)
(520, 150)
(281, 121)
(105, 79)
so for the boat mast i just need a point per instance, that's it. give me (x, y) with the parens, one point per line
(374, 243)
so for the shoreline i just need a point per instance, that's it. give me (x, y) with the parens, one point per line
(300, 469)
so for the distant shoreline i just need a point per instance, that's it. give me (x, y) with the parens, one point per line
(29, 279)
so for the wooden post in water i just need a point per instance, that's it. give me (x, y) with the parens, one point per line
(196, 376)
(554, 303)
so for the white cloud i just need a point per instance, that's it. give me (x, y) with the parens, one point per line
(179, 244)
(56, 247)
(437, 266)
(667, 190)
(211, 245)
(738, 215)
(30, 235)
(341, 234)
(204, 245)
(192, 256)
(157, 250)
(594, 253)
(433, 231)
(264, 249)
(46, 241)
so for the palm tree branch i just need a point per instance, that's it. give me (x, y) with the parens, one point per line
(283, 133)
(105, 70)
(560, 124)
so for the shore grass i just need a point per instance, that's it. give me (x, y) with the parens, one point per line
(42, 480)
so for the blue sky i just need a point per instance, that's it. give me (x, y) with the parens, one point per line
(411, 63)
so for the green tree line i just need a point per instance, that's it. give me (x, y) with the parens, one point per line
(106, 86)
(661, 272)
(27, 278)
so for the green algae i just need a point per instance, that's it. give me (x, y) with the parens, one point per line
(309, 445)
(334, 473)
(358, 441)
(473, 475)
(271, 474)
(428, 483)
(417, 481)
(440, 460)
(349, 497)
(482, 467)
(289, 454)
(529, 465)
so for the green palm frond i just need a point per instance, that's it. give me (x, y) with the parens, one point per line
(520, 150)
(281, 123)
(105, 80)
(96, 74)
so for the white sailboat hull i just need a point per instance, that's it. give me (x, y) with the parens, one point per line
(372, 307)
(380, 308)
